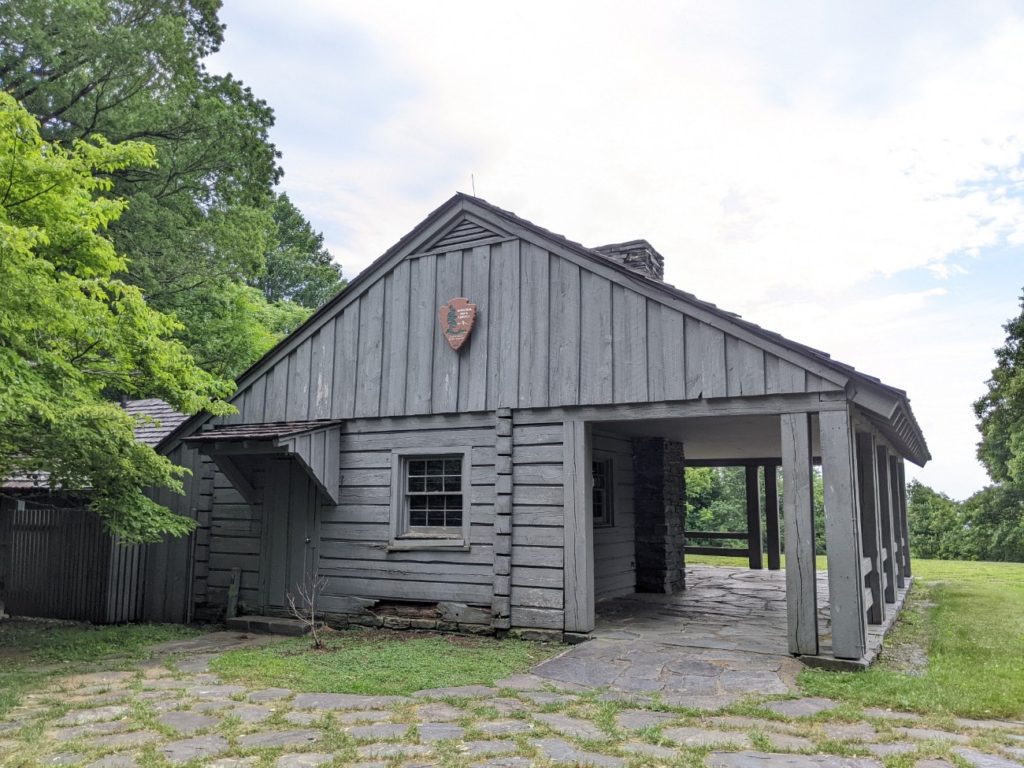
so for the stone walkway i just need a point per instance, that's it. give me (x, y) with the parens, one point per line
(174, 711)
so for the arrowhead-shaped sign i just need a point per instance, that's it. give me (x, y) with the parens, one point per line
(457, 317)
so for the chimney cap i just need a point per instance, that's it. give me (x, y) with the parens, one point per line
(638, 255)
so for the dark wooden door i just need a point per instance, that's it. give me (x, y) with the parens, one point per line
(290, 538)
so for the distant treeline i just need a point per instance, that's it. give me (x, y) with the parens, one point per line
(987, 526)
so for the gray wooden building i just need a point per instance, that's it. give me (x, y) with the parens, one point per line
(511, 469)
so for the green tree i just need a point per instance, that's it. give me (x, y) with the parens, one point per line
(1000, 410)
(202, 219)
(72, 334)
(937, 524)
(298, 266)
(716, 500)
(994, 524)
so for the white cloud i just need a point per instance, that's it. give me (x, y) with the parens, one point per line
(780, 158)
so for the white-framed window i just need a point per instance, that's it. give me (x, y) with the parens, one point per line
(603, 495)
(430, 498)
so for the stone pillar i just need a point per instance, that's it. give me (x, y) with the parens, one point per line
(660, 506)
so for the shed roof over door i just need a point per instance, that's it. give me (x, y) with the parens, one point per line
(236, 448)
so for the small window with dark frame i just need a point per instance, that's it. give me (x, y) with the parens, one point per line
(433, 496)
(603, 493)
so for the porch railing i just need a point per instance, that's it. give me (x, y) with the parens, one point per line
(717, 536)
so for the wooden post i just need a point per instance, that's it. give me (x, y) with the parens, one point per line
(871, 524)
(798, 511)
(842, 537)
(885, 513)
(578, 477)
(897, 527)
(754, 552)
(771, 516)
(904, 523)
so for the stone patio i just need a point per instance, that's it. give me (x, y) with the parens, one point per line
(722, 638)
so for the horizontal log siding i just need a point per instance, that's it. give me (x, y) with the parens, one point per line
(614, 545)
(548, 333)
(537, 526)
(354, 535)
(236, 531)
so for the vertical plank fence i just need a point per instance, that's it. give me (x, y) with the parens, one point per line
(59, 563)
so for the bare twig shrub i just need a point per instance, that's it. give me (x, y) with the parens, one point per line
(303, 607)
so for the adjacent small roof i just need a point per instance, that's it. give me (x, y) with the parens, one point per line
(164, 419)
(155, 420)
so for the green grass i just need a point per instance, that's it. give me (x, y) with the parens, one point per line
(969, 620)
(740, 562)
(32, 652)
(382, 662)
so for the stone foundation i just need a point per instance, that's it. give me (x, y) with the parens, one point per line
(660, 503)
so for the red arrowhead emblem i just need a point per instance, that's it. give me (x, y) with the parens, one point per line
(457, 317)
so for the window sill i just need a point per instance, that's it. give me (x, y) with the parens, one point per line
(399, 545)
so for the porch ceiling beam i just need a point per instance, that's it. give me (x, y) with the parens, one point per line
(765, 405)
(771, 461)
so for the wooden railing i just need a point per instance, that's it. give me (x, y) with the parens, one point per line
(717, 536)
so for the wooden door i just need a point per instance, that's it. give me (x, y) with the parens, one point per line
(290, 535)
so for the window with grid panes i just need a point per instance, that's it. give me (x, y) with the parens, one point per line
(603, 492)
(433, 494)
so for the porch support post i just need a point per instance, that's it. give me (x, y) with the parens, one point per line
(897, 525)
(842, 537)
(871, 524)
(578, 542)
(904, 523)
(798, 506)
(885, 512)
(754, 553)
(771, 516)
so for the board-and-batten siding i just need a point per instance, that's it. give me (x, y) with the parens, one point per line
(615, 545)
(548, 333)
(537, 526)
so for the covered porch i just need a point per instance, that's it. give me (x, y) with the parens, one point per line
(835, 617)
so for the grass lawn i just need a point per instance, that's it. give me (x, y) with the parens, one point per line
(957, 649)
(382, 662)
(31, 651)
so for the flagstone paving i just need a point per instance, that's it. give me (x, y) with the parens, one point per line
(178, 713)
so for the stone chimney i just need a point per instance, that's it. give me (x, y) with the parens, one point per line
(638, 255)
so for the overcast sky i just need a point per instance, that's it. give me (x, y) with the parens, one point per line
(848, 174)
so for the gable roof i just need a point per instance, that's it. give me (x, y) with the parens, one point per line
(465, 219)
